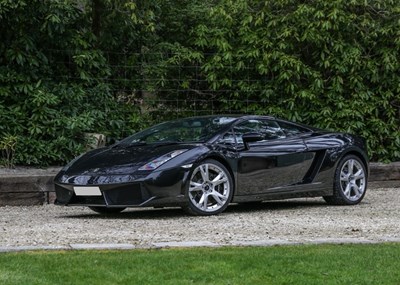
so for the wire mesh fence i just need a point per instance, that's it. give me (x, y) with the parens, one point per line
(165, 90)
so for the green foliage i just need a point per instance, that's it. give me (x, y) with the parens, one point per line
(7, 149)
(331, 64)
(56, 81)
(68, 67)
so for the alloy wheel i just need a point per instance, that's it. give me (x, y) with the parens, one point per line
(210, 188)
(352, 180)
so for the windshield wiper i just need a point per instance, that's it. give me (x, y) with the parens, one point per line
(136, 144)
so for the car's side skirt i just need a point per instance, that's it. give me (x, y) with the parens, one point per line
(294, 191)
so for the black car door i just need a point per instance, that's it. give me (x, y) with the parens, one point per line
(271, 164)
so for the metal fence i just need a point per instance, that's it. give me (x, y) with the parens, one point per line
(181, 90)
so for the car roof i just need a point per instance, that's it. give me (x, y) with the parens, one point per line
(242, 117)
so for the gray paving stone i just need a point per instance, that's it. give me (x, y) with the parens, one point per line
(341, 241)
(262, 243)
(102, 246)
(30, 248)
(389, 239)
(186, 244)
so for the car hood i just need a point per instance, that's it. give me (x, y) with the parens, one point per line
(119, 160)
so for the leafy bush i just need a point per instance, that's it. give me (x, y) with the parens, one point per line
(7, 150)
(331, 64)
(56, 83)
(70, 67)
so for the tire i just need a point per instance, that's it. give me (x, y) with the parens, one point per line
(350, 182)
(106, 211)
(210, 189)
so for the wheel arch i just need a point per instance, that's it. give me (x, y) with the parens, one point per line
(358, 154)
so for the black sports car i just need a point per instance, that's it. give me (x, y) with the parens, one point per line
(204, 163)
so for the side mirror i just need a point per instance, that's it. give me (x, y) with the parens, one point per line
(251, 137)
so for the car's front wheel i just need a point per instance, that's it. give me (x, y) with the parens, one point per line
(210, 189)
(105, 210)
(350, 182)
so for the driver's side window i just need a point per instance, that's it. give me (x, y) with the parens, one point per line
(270, 130)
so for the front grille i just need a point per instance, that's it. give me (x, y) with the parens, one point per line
(131, 194)
(88, 200)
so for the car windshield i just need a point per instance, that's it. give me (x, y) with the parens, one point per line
(189, 130)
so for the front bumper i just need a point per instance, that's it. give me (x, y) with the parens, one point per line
(115, 195)
(161, 188)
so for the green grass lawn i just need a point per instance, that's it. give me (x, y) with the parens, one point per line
(311, 264)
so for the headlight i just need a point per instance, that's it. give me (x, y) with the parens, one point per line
(161, 160)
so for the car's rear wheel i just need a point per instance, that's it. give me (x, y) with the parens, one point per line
(105, 210)
(210, 189)
(350, 182)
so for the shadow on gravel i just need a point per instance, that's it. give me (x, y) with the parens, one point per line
(275, 206)
(134, 213)
(173, 213)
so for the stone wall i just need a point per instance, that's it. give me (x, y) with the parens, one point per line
(27, 186)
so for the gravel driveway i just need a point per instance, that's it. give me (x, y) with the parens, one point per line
(301, 220)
